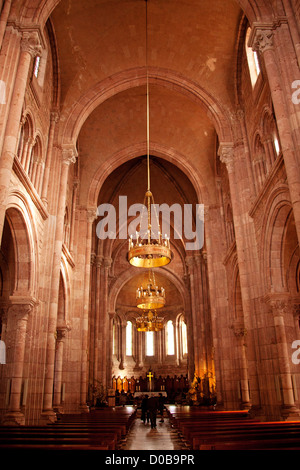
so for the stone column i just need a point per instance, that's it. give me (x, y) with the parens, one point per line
(191, 269)
(106, 378)
(68, 157)
(54, 116)
(107, 382)
(90, 217)
(3, 18)
(138, 355)
(23, 153)
(60, 339)
(123, 347)
(20, 311)
(262, 41)
(73, 210)
(201, 314)
(246, 249)
(280, 307)
(30, 47)
(99, 260)
(240, 333)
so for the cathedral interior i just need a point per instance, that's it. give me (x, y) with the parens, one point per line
(105, 104)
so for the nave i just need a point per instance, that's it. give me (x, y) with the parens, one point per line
(184, 429)
(142, 437)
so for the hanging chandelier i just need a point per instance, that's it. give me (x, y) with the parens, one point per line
(150, 297)
(151, 250)
(149, 321)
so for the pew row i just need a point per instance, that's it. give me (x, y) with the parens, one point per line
(93, 431)
(233, 431)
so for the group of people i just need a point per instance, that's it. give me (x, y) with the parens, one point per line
(150, 406)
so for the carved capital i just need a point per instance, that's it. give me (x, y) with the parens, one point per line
(239, 330)
(20, 311)
(99, 260)
(296, 310)
(279, 305)
(91, 215)
(54, 116)
(61, 333)
(69, 154)
(263, 40)
(31, 43)
(190, 262)
(107, 262)
(21, 305)
(226, 154)
(240, 114)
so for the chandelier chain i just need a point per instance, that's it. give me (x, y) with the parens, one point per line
(148, 102)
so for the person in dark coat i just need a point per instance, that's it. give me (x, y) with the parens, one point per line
(161, 406)
(152, 408)
(144, 409)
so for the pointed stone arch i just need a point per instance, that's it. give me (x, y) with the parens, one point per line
(278, 210)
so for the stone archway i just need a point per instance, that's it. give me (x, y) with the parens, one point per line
(17, 303)
(278, 211)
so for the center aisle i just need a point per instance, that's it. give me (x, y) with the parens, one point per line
(142, 437)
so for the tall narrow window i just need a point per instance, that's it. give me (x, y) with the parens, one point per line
(276, 145)
(170, 339)
(37, 66)
(129, 338)
(253, 61)
(184, 337)
(114, 338)
(149, 343)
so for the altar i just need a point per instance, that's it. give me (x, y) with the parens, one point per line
(150, 394)
(151, 383)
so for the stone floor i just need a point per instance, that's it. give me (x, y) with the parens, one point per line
(142, 437)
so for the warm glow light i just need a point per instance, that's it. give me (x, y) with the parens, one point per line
(184, 337)
(252, 59)
(129, 339)
(149, 343)
(170, 338)
(276, 144)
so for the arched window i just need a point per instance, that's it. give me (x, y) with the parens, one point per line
(184, 337)
(39, 68)
(253, 61)
(114, 339)
(129, 338)
(149, 343)
(36, 68)
(170, 338)
(276, 145)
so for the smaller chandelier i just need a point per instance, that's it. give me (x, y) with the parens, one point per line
(149, 321)
(150, 297)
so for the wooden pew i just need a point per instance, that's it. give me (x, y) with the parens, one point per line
(101, 431)
(229, 431)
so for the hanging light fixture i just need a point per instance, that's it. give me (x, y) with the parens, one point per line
(150, 297)
(149, 251)
(149, 321)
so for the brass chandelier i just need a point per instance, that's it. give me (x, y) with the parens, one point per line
(151, 297)
(149, 321)
(149, 251)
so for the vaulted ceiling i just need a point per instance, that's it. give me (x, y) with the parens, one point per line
(191, 59)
